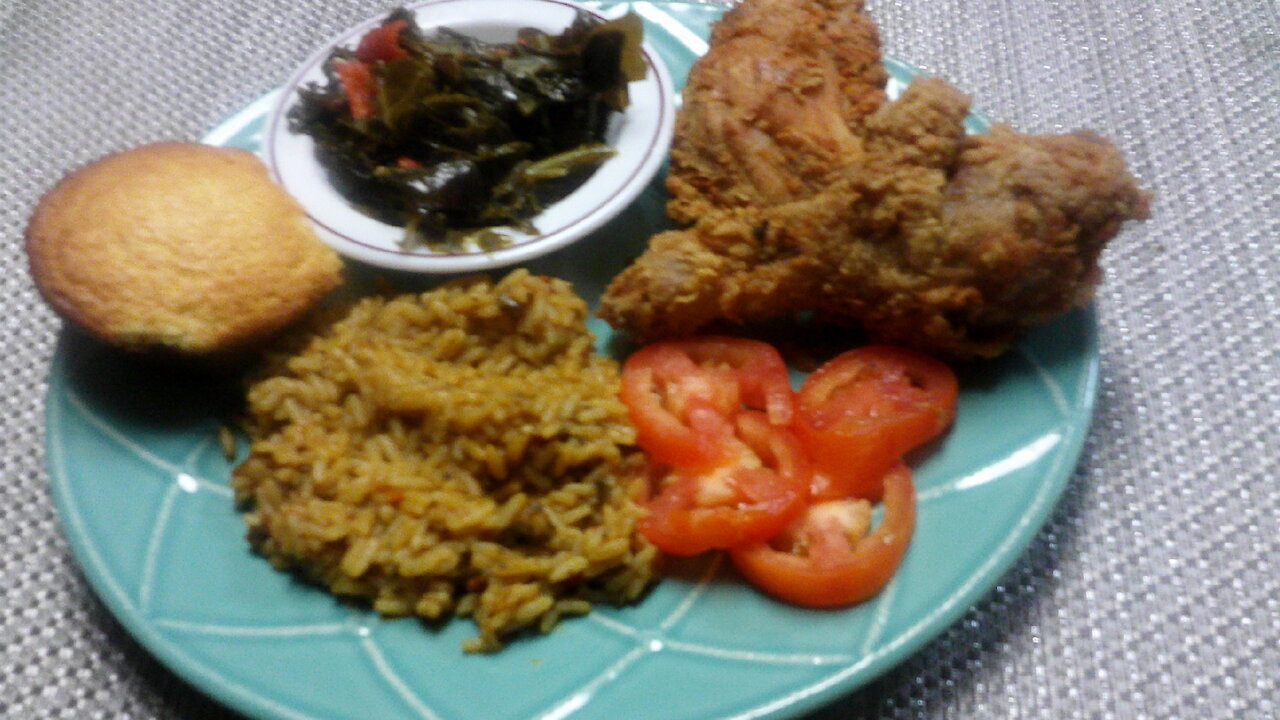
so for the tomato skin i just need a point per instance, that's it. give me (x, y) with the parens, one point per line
(681, 413)
(357, 85)
(674, 390)
(859, 413)
(382, 44)
(833, 572)
(679, 525)
(782, 479)
(758, 366)
(746, 500)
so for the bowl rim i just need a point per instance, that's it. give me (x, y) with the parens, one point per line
(523, 247)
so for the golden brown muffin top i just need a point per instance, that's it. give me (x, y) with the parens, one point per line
(177, 245)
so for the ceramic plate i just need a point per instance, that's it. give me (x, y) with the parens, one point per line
(141, 485)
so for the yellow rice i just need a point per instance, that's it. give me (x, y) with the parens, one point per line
(461, 451)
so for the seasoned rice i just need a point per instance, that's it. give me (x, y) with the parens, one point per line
(462, 451)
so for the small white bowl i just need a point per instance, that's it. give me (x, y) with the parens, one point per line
(641, 136)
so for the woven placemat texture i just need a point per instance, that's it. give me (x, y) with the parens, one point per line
(1154, 589)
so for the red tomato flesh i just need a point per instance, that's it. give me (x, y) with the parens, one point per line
(749, 499)
(682, 395)
(784, 480)
(382, 44)
(858, 414)
(823, 566)
(681, 412)
(357, 85)
(759, 368)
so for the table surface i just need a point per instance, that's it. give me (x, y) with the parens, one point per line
(1154, 589)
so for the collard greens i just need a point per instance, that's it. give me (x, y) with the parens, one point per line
(453, 138)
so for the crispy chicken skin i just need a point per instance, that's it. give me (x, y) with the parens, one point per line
(775, 110)
(804, 191)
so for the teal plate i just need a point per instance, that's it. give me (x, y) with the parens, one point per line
(141, 486)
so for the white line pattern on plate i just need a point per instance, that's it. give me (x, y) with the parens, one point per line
(1055, 390)
(579, 698)
(884, 603)
(388, 674)
(75, 520)
(694, 593)
(260, 631)
(138, 451)
(58, 473)
(1024, 456)
(159, 524)
(615, 625)
(662, 19)
(764, 658)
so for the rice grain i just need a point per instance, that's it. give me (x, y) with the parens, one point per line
(461, 451)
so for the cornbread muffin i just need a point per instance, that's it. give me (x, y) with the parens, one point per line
(177, 246)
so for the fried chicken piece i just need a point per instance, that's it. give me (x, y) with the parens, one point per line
(758, 262)
(774, 111)
(1022, 223)
(822, 198)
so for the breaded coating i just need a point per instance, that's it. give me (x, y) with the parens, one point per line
(804, 191)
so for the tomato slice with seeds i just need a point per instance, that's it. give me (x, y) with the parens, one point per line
(682, 395)
(682, 413)
(826, 558)
(763, 380)
(859, 413)
(747, 499)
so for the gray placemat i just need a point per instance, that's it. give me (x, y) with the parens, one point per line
(1154, 590)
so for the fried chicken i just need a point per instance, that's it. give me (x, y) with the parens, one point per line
(804, 191)
(774, 111)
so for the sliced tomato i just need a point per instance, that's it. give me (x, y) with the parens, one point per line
(382, 44)
(826, 559)
(682, 412)
(675, 389)
(747, 499)
(861, 411)
(357, 85)
(761, 372)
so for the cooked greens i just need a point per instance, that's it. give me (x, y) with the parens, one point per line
(452, 137)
